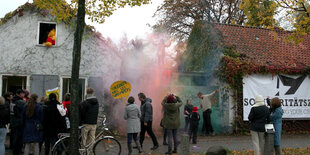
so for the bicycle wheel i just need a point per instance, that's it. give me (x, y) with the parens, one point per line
(61, 147)
(107, 146)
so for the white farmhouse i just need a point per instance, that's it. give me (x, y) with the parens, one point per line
(26, 63)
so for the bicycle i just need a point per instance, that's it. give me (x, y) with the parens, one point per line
(106, 145)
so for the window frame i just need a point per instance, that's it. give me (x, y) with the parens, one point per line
(21, 75)
(38, 32)
(69, 77)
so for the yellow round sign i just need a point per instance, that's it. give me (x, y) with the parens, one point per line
(120, 89)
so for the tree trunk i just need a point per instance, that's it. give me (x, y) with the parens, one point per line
(74, 109)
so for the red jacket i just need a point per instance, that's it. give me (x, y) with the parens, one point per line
(66, 103)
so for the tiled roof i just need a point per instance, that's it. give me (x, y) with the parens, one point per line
(267, 47)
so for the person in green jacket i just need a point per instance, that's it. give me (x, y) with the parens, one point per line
(171, 120)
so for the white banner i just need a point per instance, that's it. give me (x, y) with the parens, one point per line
(294, 92)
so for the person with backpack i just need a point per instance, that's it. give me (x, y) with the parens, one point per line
(32, 123)
(194, 119)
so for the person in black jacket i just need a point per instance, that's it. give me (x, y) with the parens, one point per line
(53, 122)
(17, 122)
(194, 118)
(4, 120)
(89, 114)
(258, 117)
(146, 120)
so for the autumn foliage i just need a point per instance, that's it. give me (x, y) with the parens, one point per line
(96, 10)
(234, 66)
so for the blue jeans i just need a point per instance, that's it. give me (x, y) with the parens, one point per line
(2, 140)
(130, 136)
(172, 134)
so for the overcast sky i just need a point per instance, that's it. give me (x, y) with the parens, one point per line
(132, 21)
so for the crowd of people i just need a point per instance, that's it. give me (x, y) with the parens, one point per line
(33, 123)
(140, 120)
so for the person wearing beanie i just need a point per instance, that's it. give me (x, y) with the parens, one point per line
(194, 123)
(171, 120)
(132, 114)
(258, 117)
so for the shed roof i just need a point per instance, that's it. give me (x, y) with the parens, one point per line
(267, 47)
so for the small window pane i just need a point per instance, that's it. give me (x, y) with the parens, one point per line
(12, 83)
(66, 87)
(44, 29)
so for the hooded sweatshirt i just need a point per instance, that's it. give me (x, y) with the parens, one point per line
(146, 110)
(89, 110)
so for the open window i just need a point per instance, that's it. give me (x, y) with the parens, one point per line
(45, 31)
(12, 83)
(66, 87)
